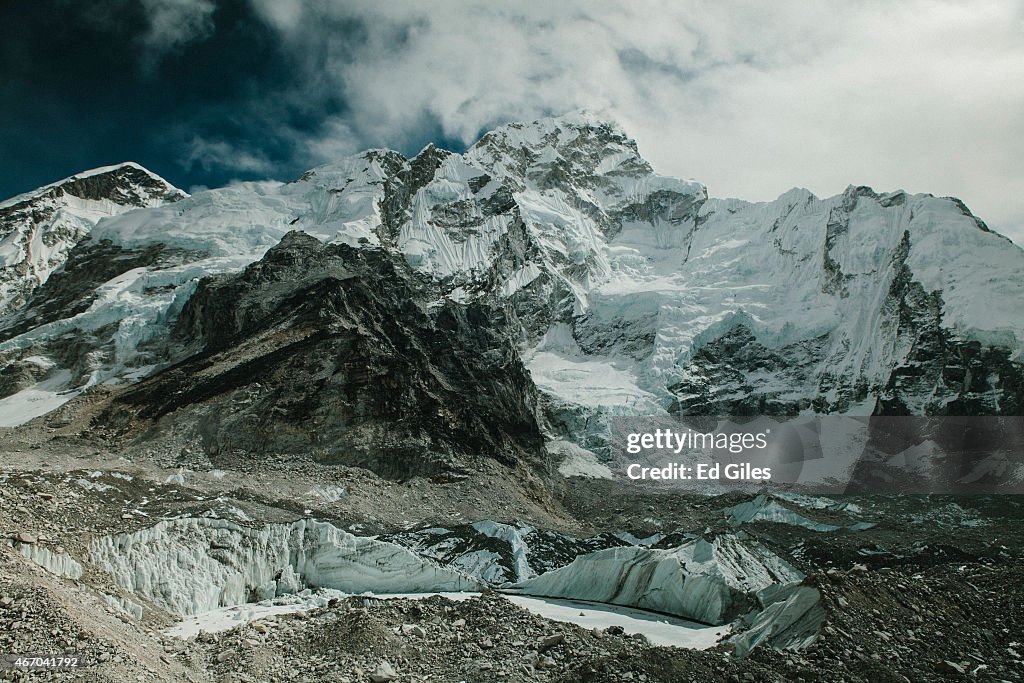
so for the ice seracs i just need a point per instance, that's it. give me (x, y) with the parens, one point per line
(194, 565)
(59, 563)
(218, 571)
(710, 581)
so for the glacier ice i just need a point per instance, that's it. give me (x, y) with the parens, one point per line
(58, 563)
(194, 565)
(712, 582)
(124, 605)
(764, 508)
(619, 277)
(577, 462)
(792, 622)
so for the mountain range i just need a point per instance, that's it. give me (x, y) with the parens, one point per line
(412, 315)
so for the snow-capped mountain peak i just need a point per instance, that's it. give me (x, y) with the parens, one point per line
(126, 183)
(39, 228)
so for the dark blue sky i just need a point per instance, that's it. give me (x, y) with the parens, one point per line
(79, 90)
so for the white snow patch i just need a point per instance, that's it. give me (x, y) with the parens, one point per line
(93, 485)
(577, 462)
(39, 399)
(225, 618)
(592, 381)
(328, 492)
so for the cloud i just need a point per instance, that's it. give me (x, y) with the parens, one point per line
(750, 98)
(208, 154)
(172, 24)
(332, 139)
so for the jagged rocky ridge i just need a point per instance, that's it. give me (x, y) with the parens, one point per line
(551, 246)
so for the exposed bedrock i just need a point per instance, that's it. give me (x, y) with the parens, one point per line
(343, 352)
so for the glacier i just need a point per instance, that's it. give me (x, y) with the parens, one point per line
(192, 565)
(213, 573)
(709, 581)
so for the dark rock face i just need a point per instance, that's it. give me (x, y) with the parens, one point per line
(344, 352)
(127, 185)
(960, 377)
(633, 338)
(737, 375)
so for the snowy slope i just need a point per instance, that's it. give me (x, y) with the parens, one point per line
(39, 228)
(633, 293)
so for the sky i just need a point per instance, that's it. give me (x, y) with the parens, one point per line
(750, 98)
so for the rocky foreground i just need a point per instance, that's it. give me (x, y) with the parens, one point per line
(930, 593)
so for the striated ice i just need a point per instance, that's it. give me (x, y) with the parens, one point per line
(711, 582)
(194, 565)
(58, 563)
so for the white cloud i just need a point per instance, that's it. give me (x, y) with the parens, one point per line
(175, 23)
(209, 154)
(331, 140)
(750, 98)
